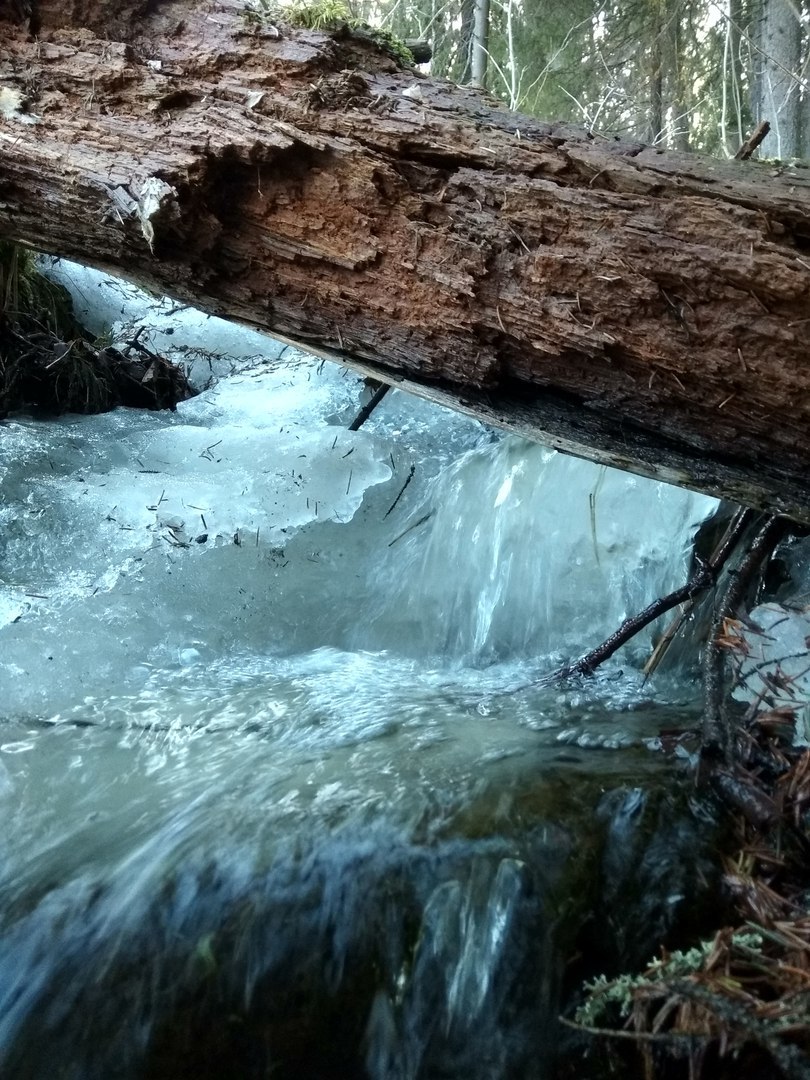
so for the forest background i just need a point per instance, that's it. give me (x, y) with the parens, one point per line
(683, 74)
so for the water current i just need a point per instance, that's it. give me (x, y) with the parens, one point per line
(272, 747)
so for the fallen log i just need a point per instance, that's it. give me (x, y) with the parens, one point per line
(642, 308)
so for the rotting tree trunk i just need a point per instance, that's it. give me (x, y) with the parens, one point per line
(646, 309)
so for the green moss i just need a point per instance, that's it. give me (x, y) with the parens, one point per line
(389, 43)
(323, 15)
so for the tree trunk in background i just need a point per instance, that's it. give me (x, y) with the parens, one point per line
(465, 42)
(778, 81)
(646, 309)
(735, 103)
(677, 95)
(655, 123)
(668, 123)
(480, 43)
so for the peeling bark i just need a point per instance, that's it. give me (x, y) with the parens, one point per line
(642, 308)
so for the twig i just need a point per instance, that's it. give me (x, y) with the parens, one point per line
(410, 528)
(369, 407)
(401, 492)
(703, 578)
(731, 535)
(672, 1039)
(753, 141)
(790, 1059)
(717, 742)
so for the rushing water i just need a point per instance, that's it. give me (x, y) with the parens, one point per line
(271, 732)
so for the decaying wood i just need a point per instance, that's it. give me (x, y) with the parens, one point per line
(643, 308)
(753, 141)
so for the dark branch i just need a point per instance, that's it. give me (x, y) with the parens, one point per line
(753, 141)
(704, 577)
(369, 407)
(717, 741)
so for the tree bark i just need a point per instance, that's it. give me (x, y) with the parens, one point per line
(646, 309)
(463, 66)
(672, 35)
(779, 81)
(654, 132)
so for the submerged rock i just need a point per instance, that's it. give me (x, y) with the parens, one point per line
(371, 951)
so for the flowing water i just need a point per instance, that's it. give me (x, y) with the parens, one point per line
(275, 767)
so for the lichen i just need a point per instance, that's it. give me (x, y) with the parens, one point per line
(603, 993)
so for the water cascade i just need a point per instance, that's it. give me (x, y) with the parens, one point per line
(272, 793)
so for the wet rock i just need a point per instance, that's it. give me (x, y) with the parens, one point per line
(369, 952)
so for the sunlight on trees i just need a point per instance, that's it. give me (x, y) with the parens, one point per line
(685, 74)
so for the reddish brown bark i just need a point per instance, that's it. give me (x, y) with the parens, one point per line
(644, 308)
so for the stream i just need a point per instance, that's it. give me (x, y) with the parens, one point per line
(280, 786)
